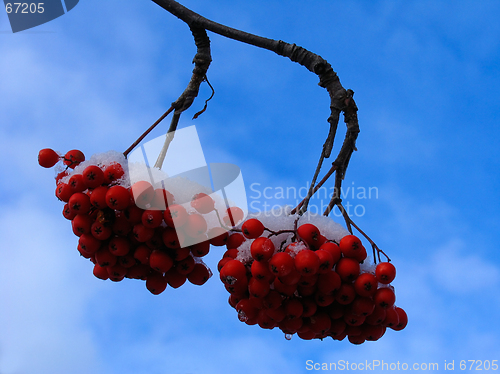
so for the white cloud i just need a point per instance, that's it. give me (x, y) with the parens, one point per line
(43, 299)
(459, 269)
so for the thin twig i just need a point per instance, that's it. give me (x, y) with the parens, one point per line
(206, 101)
(318, 186)
(129, 149)
(350, 222)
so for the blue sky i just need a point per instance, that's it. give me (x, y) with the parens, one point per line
(426, 78)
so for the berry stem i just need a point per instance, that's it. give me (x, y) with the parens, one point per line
(202, 61)
(350, 222)
(145, 133)
(318, 186)
(168, 139)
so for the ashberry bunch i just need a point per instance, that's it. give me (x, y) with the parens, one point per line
(134, 230)
(309, 284)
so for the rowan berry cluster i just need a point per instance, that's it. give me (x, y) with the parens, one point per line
(136, 231)
(305, 279)
(308, 285)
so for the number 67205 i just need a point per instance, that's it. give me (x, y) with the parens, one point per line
(24, 8)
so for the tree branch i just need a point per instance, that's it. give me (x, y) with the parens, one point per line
(341, 100)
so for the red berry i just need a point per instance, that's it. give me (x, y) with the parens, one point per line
(47, 158)
(156, 283)
(121, 226)
(223, 262)
(179, 254)
(142, 233)
(142, 193)
(160, 261)
(172, 238)
(377, 316)
(337, 328)
(116, 272)
(385, 272)
(138, 271)
(119, 246)
(272, 300)
(260, 270)
(281, 264)
(118, 198)
(350, 245)
(185, 266)
(366, 285)
(174, 278)
(89, 244)
(200, 249)
(334, 250)
(76, 183)
(293, 308)
(246, 310)
(234, 240)
(175, 216)
(232, 272)
(391, 317)
(100, 272)
(81, 224)
(361, 255)
(384, 297)
(217, 236)
(113, 172)
(234, 216)
(345, 294)
(142, 254)
(98, 197)
(278, 314)
(68, 213)
(258, 288)
(403, 320)
(320, 322)
(127, 261)
(291, 278)
(306, 261)
(152, 218)
(63, 192)
(284, 289)
(308, 280)
(195, 225)
(348, 269)
(104, 257)
(373, 333)
(310, 307)
(309, 233)
(203, 203)
(362, 306)
(79, 203)
(252, 228)
(73, 158)
(93, 176)
(322, 299)
(262, 249)
(325, 261)
(161, 199)
(356, 339)
(329, 282)
(133, 214)
(200, 274)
